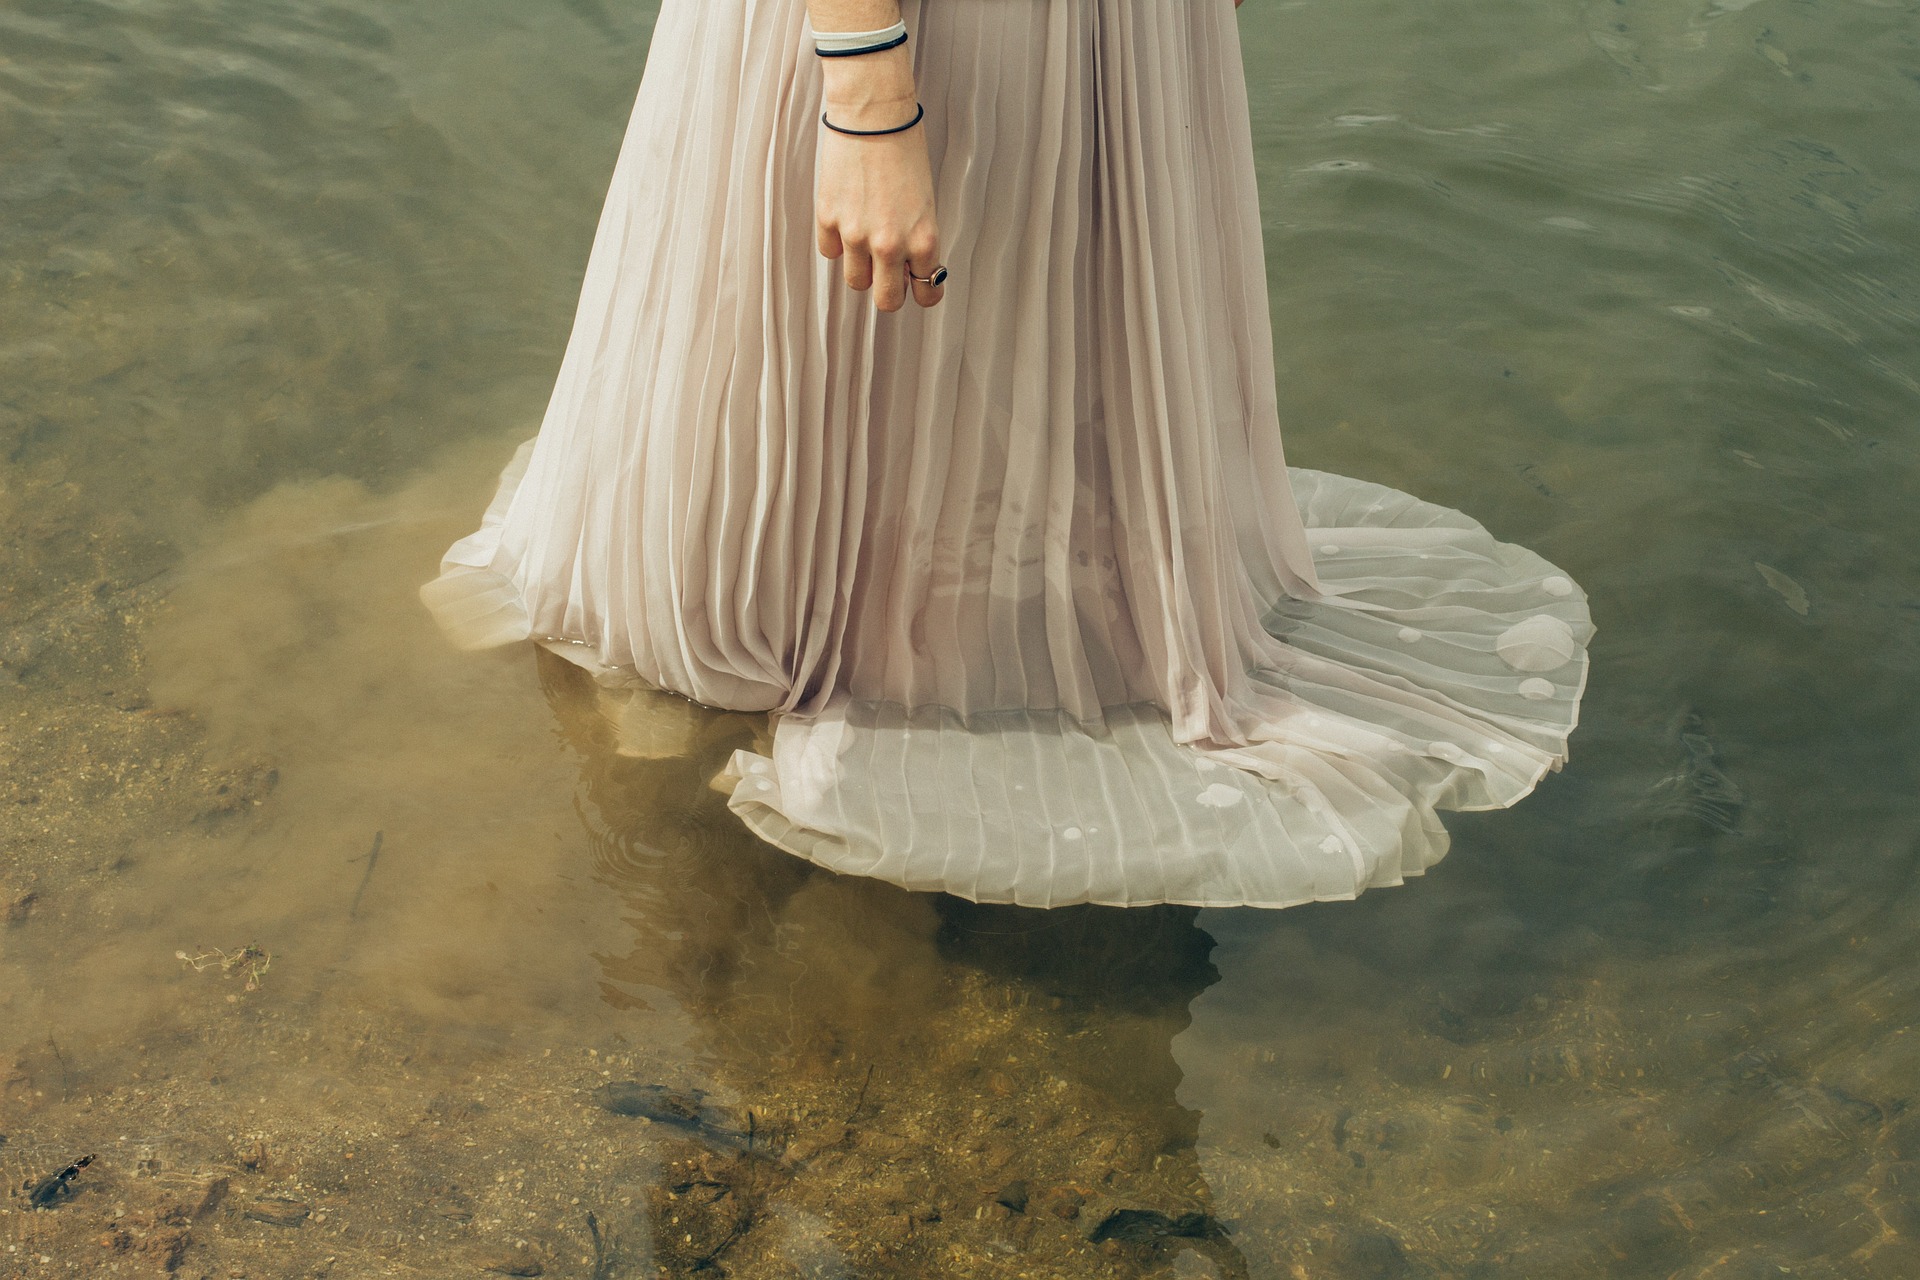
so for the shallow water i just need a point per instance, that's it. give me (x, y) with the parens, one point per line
(1635, 282)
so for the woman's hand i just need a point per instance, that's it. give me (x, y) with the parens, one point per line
(874, 196)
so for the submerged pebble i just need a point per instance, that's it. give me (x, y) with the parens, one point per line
(1150, 1226)
(510, 1262)
(278, 1211)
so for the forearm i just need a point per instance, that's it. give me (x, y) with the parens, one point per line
(872, 91)
(852, 15)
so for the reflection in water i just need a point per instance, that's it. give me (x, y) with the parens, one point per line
(934, 1080)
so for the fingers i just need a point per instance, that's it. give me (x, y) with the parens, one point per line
(922, 262)
(883, 264)
(889, 275)
(856, 265)
(928, 295)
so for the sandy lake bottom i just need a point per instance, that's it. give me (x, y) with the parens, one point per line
(343, 954)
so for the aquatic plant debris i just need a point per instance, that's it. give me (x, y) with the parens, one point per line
(1792, 592)
(687, 1110)
(250, 960)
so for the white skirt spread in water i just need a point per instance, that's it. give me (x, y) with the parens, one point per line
(1040, 611)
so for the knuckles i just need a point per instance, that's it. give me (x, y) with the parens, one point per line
(860, 248)
(881, 244)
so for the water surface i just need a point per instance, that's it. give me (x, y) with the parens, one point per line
(350, 955)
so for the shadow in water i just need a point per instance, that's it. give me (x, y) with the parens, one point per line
(901, 1083)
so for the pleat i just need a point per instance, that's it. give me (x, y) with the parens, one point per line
(1041, 612)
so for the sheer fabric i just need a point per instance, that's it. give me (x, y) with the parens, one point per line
(1040, 611)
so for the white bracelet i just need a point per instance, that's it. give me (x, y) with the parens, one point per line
(847, 44)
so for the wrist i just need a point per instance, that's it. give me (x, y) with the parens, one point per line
(871, 91)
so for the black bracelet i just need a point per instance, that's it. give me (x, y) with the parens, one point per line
(895, 43)
(876, 133)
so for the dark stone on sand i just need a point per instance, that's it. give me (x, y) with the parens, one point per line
(1013, 1195)
(1150, 1226)
(1373, 1255)
(278, 1211)
(683, 1109)
(510, 1262)
(1063, 1203)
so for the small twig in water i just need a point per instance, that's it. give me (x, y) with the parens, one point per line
(861, 1101)
(372, 856)
(602, 1256)
(66, 1076)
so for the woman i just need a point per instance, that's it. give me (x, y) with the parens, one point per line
(1040, 612)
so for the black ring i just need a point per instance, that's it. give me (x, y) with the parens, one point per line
(934, 281)
(854, 53)
(876, 133)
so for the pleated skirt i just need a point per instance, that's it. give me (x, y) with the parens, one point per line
(1038, 610)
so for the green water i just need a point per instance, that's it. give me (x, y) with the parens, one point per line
(1635, 282)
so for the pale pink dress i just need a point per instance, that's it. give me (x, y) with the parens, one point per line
(1042, 613)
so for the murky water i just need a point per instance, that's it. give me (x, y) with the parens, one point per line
(348, 955)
